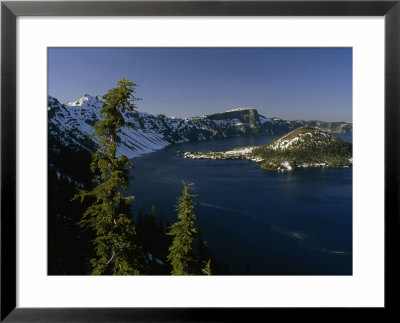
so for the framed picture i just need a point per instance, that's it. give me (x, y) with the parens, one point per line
(279, 85)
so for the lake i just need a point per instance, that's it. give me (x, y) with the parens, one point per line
(293, 223)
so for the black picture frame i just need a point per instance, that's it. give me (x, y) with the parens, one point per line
(10, 10)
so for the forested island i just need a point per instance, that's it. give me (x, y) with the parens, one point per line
(301, 148)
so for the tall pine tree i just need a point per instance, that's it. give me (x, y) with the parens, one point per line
(109, 216)
(182, 255)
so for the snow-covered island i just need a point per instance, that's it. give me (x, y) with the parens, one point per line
(301, 148)
(238, 153)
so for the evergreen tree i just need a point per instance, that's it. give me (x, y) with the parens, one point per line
(182, 255)
(207, 269)
(115, 244)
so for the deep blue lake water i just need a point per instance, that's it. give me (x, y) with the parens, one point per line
(294, 223)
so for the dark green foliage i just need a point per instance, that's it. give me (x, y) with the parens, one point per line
(115, 243)
(188, 253)
(182, 255)
(205, 255)
(207, 268)
(153, 239)
(316, 148)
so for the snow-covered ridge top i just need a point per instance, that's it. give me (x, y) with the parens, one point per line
(239, 109)
(95, 102)
(316, 137)
(307, 130)
(71, 124)
(302, 136)
(85, 100)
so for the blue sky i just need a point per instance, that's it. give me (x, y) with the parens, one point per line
(290, 83)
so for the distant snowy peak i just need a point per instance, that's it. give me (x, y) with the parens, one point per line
(86, 101)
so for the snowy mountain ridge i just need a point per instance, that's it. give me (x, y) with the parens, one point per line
(71, 124)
